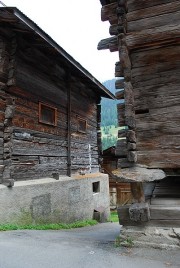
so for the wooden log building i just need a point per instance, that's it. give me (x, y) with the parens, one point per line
(146, 34)
(49, 105)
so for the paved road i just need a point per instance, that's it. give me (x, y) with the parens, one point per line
(89, 247)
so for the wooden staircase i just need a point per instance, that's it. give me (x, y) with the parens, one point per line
(165, 202)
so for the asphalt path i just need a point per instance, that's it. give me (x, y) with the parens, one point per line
(88, 247)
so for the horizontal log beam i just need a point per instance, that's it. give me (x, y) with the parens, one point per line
(120, 71)
(154, 37)
(119, 94)
(119, 84)
(108, 10)
(110, 43)
(136, 5)
(153, 11)
(117, 8)
(116, 29)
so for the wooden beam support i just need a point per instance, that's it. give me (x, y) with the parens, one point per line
(131, 146)
(116, 29)
(120, 71)
(121, 114)
(108, 11)
(110, 43)
(122, 133)
(117, 8)
(131, 136)
(119, 84)
(137, 192)
(119, 94)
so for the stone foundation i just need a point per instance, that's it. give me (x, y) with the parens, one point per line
(52, 201)
(154, 237)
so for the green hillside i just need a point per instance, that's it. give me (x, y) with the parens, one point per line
(109, 122)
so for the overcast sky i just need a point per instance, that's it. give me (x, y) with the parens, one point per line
(77, 27)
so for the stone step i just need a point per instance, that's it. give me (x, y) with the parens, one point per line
(165, 201)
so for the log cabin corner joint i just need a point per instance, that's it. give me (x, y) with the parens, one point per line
(147, 39)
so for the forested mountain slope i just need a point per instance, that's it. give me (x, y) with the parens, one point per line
(108, 107)
(109, 127)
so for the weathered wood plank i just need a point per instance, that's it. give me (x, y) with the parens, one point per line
(116, 29)
(119, 94)
(120, 71)
(141, 4)
(156, 78)
(119, 84)
(159, 119)
(153, 37)
(110, 43)
(157, 97)
(121, 114)
(131, 136)
(148, 23)
(159, 158)
(108, 10)
(121, 148)
(164, 213)
(114, 9)
(124, 57)
(153, 57)
(27, 172)
(153, 11)
(128, 94)
(161, 142)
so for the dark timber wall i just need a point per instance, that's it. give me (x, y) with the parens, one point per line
(33, 72)
(147, 35)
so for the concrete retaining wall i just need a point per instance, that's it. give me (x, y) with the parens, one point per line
(49, 200)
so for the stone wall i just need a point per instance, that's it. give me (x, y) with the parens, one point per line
(48, 200)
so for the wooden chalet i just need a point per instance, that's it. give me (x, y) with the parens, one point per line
(49, 105)
(147, 36)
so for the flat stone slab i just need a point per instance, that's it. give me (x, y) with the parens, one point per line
(151, 237)
(177, 232)
(138, 173)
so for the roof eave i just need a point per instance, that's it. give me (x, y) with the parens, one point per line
(105, 92)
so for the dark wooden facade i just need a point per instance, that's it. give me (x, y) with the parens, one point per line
(49, 105)
(147, 36)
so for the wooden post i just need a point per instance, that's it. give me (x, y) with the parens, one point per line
(137, 192)
(139, 210)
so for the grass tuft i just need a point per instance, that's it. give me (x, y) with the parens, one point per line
(124, 242)
(114, 216)
(52, 226)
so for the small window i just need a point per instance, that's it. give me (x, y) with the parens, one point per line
(96, 187)
(81, 125)
(47, 114)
